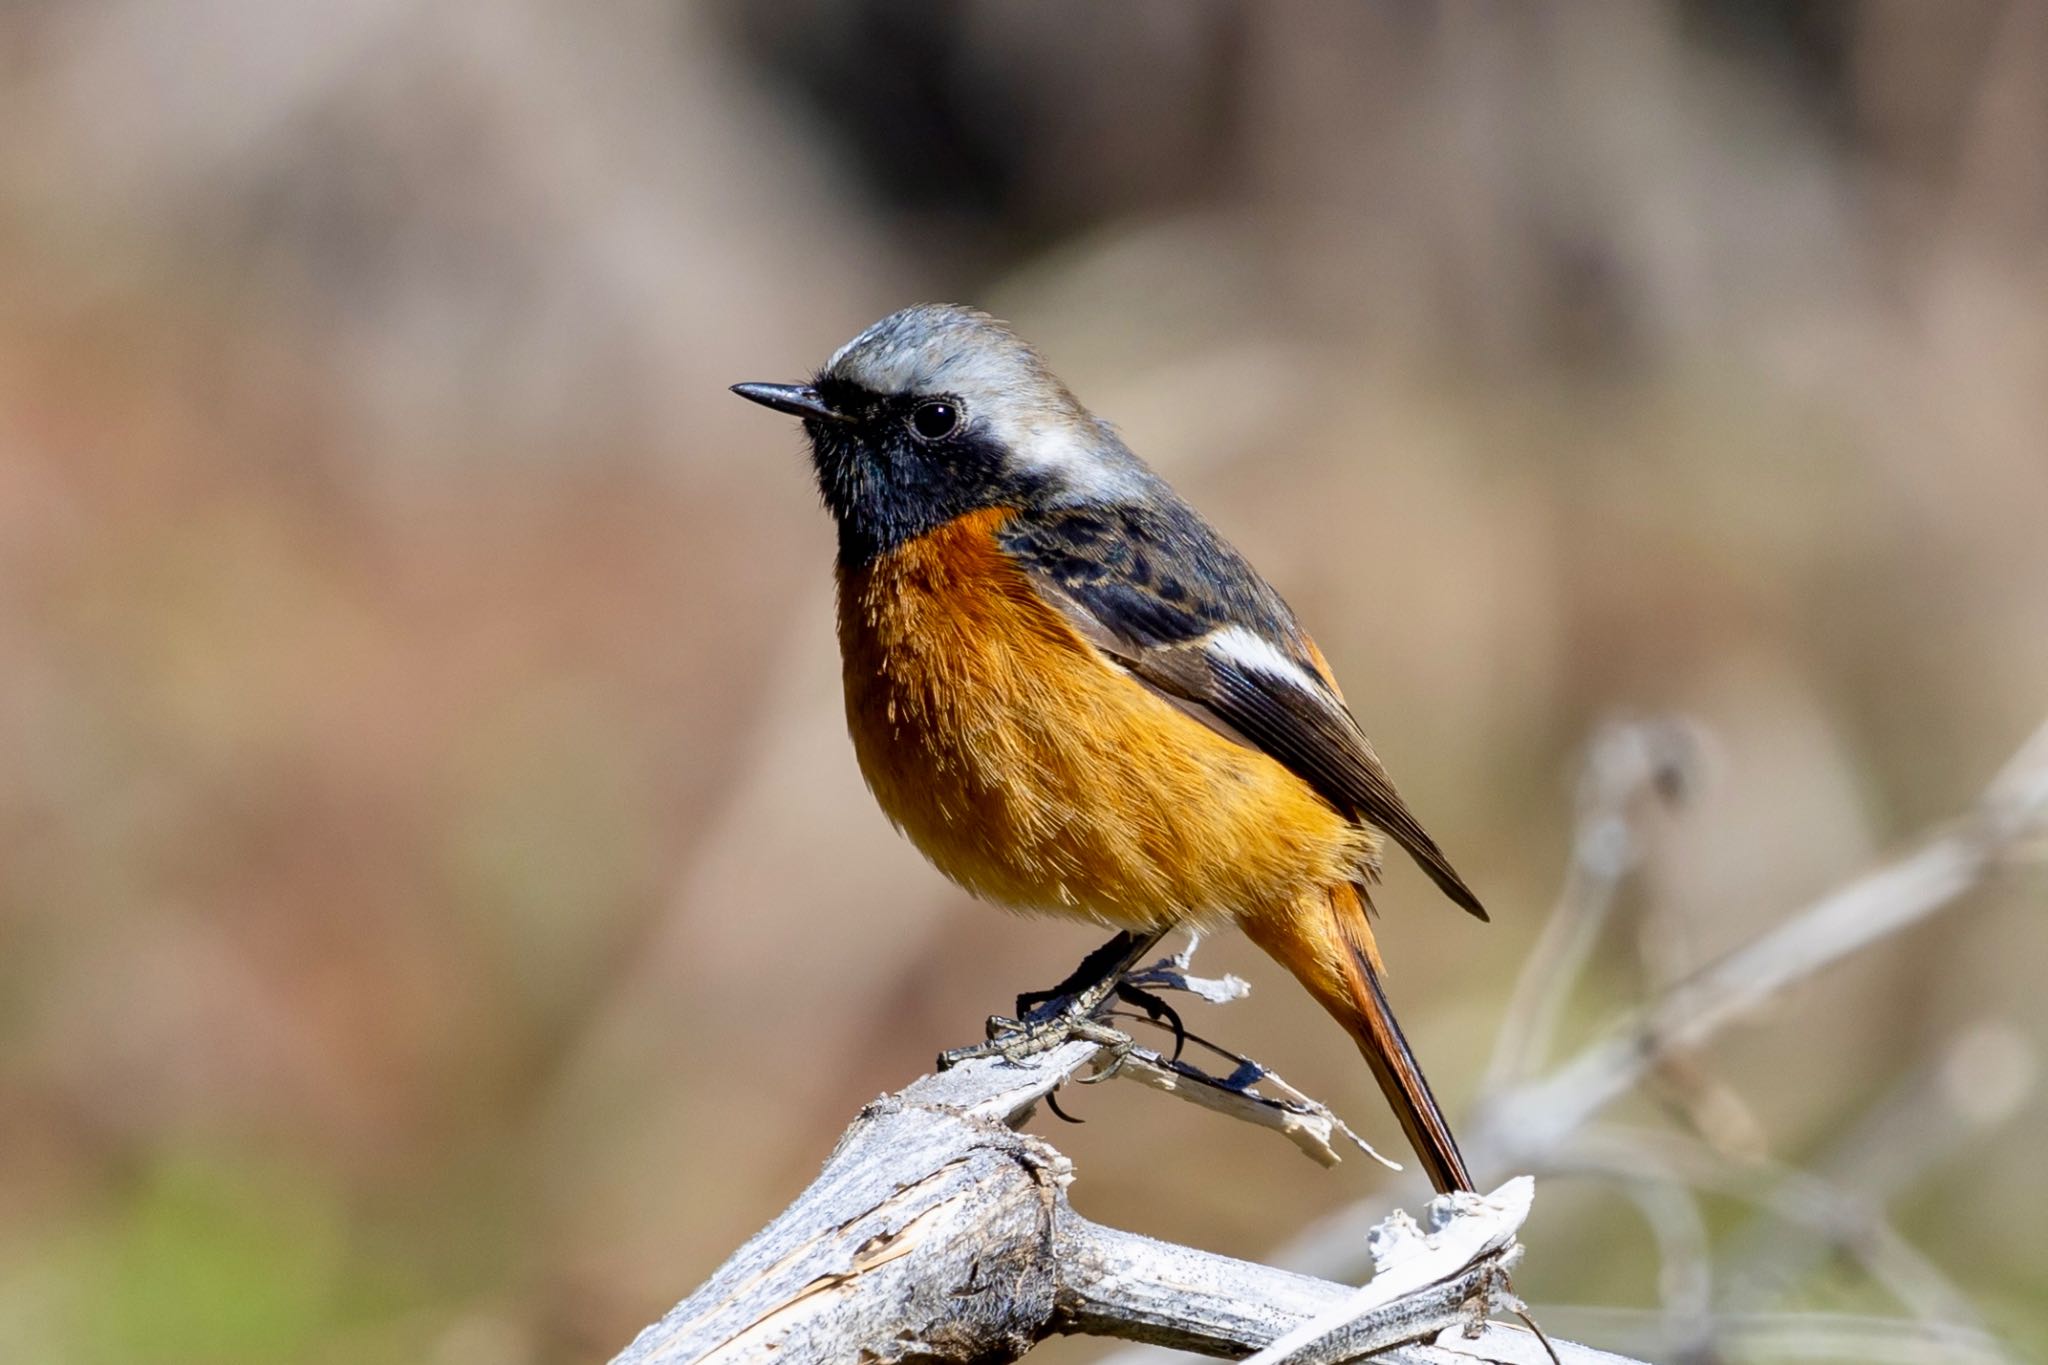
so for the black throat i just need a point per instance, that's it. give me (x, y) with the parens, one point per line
(885, 487)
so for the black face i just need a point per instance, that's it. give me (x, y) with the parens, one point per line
(903, 466)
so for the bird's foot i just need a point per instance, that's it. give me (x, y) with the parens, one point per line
(1017, 1040)
(1071, 1011)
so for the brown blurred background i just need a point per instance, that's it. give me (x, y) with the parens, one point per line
(439, 914)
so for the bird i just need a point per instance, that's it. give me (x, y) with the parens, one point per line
(1076, 698)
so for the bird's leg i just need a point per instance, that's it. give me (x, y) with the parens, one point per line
(1101, 968)
(1069, 1011)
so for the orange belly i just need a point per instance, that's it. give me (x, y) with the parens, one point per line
(1036, 774)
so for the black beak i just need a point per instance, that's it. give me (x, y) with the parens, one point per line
(798, 400)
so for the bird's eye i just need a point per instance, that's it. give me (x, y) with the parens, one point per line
(934, 420)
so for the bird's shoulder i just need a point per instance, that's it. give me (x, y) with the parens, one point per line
(1153, 571)
(1163, 595)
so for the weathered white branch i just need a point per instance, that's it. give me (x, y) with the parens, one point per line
(938, 1232)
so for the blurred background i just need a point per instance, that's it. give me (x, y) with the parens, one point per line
(440, 917)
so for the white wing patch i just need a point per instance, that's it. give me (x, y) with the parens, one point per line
(1250, 650)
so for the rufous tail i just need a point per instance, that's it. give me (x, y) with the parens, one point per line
(1339, 963)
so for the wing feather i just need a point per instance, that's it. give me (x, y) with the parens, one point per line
(1164, 596)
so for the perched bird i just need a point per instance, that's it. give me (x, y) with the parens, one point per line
(1075, 697)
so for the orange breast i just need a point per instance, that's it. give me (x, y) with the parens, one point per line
(1037, 774)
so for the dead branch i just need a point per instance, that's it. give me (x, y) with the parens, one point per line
(938, 1232)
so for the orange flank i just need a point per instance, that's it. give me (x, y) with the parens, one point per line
(1039, 775)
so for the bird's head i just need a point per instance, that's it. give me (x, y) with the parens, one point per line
(937, 411)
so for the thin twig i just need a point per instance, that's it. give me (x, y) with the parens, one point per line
(1978, 1081)
(1785, 1193)
(1806, 1336)
(1626, 763)
(1533, 1118)
(1303, 1120)
(1685, 1259)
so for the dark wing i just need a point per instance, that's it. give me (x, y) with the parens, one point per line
(1159, 591)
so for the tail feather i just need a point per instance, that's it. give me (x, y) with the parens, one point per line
(1371, 1022)
(1328, 945)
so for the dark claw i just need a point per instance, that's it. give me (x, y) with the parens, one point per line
(1052, 1102)
(1157, 1010)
